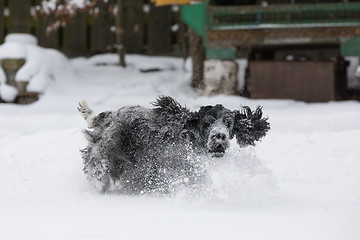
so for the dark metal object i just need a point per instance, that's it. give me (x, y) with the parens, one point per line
(304, 81)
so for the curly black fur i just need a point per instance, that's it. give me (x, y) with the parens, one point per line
(138, 150)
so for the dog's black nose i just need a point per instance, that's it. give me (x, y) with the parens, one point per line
(219, 147)
(220, 136)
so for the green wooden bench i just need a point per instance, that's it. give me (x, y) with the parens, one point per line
(226, 28)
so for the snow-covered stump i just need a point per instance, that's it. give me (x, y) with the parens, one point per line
(220, 77)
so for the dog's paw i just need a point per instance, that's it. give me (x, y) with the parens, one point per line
(86, 112)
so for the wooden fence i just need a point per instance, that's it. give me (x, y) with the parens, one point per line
(147, 29)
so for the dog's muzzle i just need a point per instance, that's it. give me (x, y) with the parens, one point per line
(218, 143)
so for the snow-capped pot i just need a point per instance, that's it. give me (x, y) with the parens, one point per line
(10, 67)
(26, 68)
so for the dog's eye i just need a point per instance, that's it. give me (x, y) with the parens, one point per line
(188, 135)
(209, 119)
(228, 122)
(206, 124)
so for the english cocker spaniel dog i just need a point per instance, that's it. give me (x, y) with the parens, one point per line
(136, 150)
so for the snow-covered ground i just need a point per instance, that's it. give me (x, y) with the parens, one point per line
(301, 182)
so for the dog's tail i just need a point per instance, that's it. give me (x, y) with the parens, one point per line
(87, 113)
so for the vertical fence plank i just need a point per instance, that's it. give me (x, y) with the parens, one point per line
(50, 39)
(19, 19)
(101, 37)
(45, 39)
(133, 27)
(183, 40)
(159, 34)
(2, 23)
(74, 40)
(177, 30)
(150, 27)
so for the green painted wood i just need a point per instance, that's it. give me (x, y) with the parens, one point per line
(19, 19)
(220, 53)
(74, 36)
(194, 16)
(159, 33)
(351, 47)
(134, 26)
(284, 14)
(101, 38)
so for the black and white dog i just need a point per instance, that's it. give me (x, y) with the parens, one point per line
(138, 150)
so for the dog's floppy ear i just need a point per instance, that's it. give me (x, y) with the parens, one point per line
(249, 126)
(191, 127)
(188, 135)
(168, 105)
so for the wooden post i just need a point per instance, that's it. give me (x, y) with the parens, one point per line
(1, 20)
(159, 33)
(101, 37)
(197, 53)
(119, 33)
(19, 19)
(134, 27)
(75, 35)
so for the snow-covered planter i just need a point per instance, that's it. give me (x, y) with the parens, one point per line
(220, 77)
(26, 69)
(357, 75)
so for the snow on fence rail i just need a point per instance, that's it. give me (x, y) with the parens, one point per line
(148, 29)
